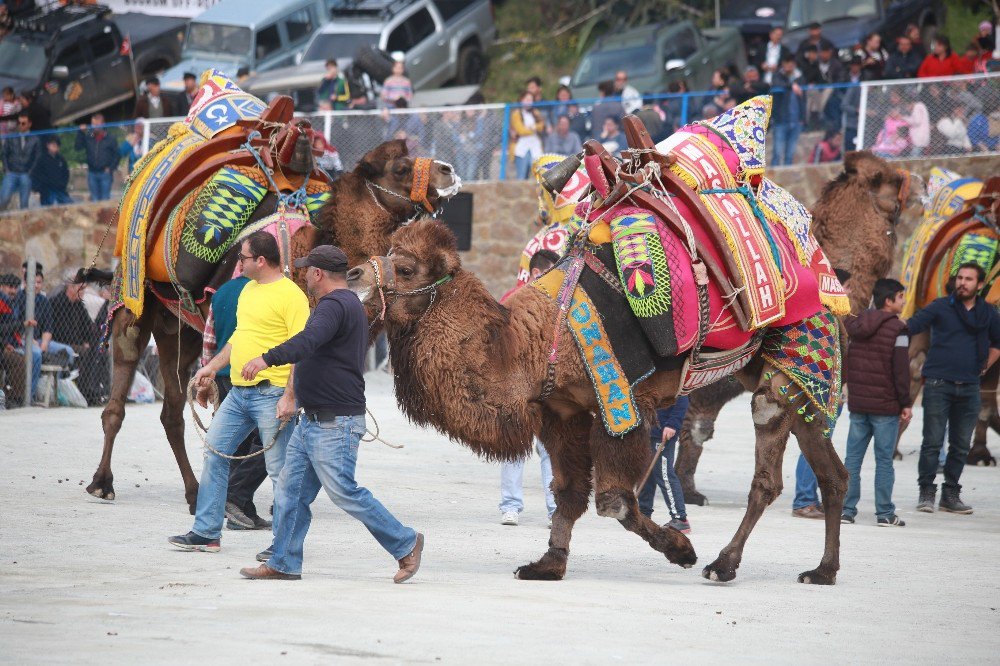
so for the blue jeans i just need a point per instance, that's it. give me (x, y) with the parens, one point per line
(99, 183)
(325, 455)
(786, 138)
(245, 408)
(36, 367)
(15, 182)
(56, 347)
(884, 429)
(954, 407)
(511, 483)
(52, 197)
(522, 166)
(805, 485)
(671, 489)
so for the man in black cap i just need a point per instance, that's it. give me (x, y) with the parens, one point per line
(329, 386)
(190, 91)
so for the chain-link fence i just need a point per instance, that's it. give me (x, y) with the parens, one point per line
(957, 115)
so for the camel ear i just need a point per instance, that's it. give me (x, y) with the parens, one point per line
(372, 165)
(864, 165)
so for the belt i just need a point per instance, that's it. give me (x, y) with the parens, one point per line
(320, 415)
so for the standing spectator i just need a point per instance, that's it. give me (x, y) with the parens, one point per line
(816, 40)
(913, 33)
(788, 112)
(665, 430)
(878, 395)
(611, 136)
(828, 99)
(245, 476)
(534, 87)
(850, 105)
(830, 149)
(955, 132)
(9, 106)
(190, 91)
(512, 473)
(102, 156)
(406, 126)
(607, 106)
(941, 61)
(631, 99)
(329, 358)
(965, 342)
(809, 68)
(673, 106)
(20, 153)
(904, 63)
(333, 92)
(471, 133)
(129, 150)
(773, 55)
(579, 121)
(153, 104)
(42, 323)
(270, 310)
(445, 137)
(397, 86)
(919, 122)
(50, 175)
(873, 57)
(563, 141)
(750, 86)
(830, 68)
(561, 106)
(527, 126)
(39, 115)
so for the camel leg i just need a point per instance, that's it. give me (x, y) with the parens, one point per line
(832, 478)
(571, 485)
(772, 420)
(619, 464)
(988, 417)
(128, 338)
(698, 428)
(177, 353)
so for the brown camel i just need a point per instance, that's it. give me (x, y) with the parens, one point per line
(365, 206)
(475, 370)
(854, 221)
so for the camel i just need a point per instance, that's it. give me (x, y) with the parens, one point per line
(855, 222)
(365, 206)
(476, 370)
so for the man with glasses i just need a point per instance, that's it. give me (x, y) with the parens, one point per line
(20, 152)
(271, 309)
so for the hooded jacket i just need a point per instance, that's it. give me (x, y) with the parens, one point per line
(878, 364)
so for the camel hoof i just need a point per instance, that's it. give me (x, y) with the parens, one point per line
(551, 566)
(694, 497)
(717, 574)
(896, 455)
(104, 492)
(817, 577)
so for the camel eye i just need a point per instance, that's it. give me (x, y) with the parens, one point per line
(404, 271)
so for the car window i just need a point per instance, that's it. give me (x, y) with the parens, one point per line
(299, 25)
(448, 8)
(685, 44)
(338, 45)
(71, 57)
(268, 41)
(102, 45)
(411, 32)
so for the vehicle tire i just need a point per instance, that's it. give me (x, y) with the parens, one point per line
(471, 65)
(374, 62)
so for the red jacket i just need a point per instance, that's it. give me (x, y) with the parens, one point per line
(878, 364)
(934, 66)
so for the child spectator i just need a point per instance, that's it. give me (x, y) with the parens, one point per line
(397, 86)
(50, 176)
(873, 57)
(9, 107)
(894, 137)
(830, 149)
(665, 429)
(919, 122)
(955, 132)
(878, 371)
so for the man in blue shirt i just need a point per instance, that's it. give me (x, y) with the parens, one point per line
(665, 429)
(965, 341)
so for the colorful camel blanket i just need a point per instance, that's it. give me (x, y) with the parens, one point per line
(808, 352)
(947, 192)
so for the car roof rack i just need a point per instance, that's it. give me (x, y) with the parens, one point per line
(379, 9)
(50, 22)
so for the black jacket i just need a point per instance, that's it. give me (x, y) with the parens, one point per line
(51, 173)
(902, 66)
(21, 153)
(878, 363)
(102, 154)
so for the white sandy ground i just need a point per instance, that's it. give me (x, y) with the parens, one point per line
(83, 580)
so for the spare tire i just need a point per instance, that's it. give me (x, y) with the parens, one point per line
(374, 62)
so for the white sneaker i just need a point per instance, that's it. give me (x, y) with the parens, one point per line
(509, 518)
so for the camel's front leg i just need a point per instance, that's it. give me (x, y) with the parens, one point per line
(772, 421)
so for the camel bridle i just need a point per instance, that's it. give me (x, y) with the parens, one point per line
(420, 189)
(385, 285)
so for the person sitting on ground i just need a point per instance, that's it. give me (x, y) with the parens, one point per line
(666, 431)
(878, 396)
(512, 473)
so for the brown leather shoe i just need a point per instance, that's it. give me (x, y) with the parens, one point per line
(409, 564)
(264, 572)
(811, 511)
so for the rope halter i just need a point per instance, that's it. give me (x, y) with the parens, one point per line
(385, 284)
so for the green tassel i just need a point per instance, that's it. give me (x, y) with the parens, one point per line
(793, 398)
(827, 433)
(809, 418)
(801, 410)
(768, 376)
(783, 390)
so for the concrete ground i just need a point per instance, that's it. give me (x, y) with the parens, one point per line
(83, 580)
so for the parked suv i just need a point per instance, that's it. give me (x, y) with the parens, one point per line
(258, 34)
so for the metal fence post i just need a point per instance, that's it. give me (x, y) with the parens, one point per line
(684, 109)
(29, 331)
(505, 141)
(859, 141)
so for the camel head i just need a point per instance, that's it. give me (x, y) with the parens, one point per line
(404, 185)
(891, 190)
(401, 287)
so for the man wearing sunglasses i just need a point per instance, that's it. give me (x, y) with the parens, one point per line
(270, 310)
(20, 152)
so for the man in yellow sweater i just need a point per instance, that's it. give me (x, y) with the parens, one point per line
(270, 310)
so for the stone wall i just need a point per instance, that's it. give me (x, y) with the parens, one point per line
(65, 238)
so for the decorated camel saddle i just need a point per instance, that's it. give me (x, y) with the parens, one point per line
(233, 166)
(960, 225)
(713, 260)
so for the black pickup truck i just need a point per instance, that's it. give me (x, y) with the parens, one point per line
(78, 59)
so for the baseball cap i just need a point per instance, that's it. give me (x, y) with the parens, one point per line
(326, 257)
(9, 280)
